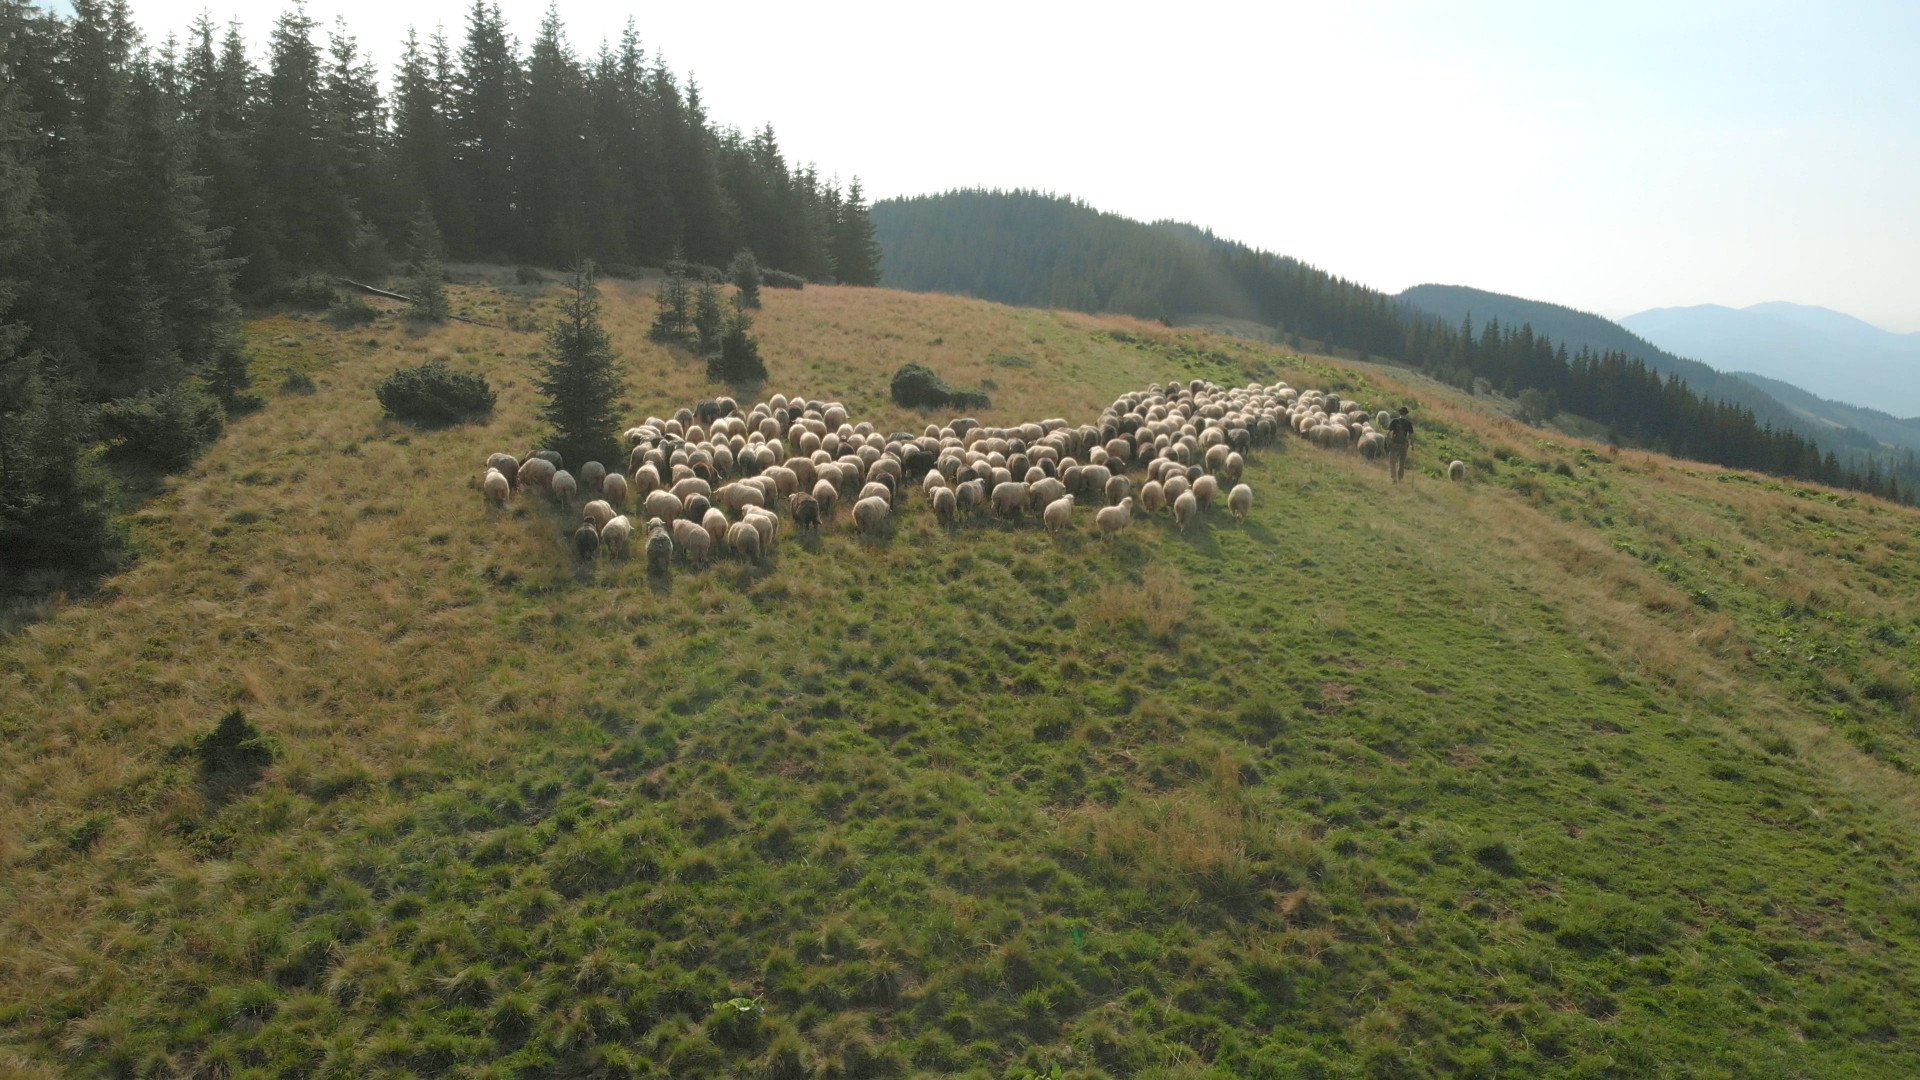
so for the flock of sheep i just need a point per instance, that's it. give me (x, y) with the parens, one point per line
(715, 479)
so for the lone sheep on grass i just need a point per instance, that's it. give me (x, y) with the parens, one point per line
(1457, 471)
(1112, 519)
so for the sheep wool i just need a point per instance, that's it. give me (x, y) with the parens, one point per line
(1240, 501)
(496, 487)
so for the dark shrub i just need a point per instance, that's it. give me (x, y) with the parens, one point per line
(297, 382)
(308, 292)
(780, 279)
(434, 393)
(712, 275)
(917, 387)
(348, 311)
(165, 430)
(528, 275)
(744, 272)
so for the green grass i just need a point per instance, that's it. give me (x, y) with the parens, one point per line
(1387, 782)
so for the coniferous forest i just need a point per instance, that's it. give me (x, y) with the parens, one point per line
(150, 189)
(1024, 247)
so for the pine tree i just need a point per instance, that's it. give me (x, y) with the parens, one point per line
(709, 318)
(736, 357)
(856, 253)
(744, 272)
(426, 268)
(675, 317)
(311, 216)
(486, 93)
(579, 379)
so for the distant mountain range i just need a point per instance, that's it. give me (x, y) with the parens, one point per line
(1454, 303)
(1831, 354)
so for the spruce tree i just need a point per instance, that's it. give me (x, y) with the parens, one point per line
(675, 317)
(709, 318)
(744, 272)
(856, 254)
(736, 357)
(426, 268)
(580, 380)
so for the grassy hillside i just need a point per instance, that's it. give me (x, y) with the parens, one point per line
(1594, 765)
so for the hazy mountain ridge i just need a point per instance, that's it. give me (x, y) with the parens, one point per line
(1829, 353)
(1577, 328)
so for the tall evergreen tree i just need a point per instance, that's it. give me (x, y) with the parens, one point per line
(311, 215)
(486, 93)
(580, 379)
(427, 269)
(856, 251)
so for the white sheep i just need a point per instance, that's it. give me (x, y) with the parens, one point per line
(1059, 514)
(1010, 497)
(599, 511)
(659, 546)
(715, 524)
(1457, 470)
(616, 534)
(1240, 501)
(766, 523)
(1184, 509)
(496, 487)
(663, 505)
(1118, 487)
(946, 505)
(1205, 490)
(1153, 497)
(508, 465)
(613, 488)
(536, 473)
(591, 474)
(744, 541)
(870, 513)
(564, 486)
(1112, 519)
(693, 540)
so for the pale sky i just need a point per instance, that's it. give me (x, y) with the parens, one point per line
(1609, 156)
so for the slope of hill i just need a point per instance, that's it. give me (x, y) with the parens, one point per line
(1833, 355)
(1891, 430)
(1598, 764)
(1579, 328)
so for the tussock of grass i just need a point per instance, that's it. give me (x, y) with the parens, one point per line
(1388, 781)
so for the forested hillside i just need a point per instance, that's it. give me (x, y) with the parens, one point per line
(147, 190)
(1030, 248)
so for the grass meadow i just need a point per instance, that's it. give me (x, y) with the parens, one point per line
(1599, 764)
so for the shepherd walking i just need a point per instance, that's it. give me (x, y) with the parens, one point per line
(1399, 441)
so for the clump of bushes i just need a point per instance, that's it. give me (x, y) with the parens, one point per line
(780, 279)
(694, 271)
(695, 317)
(434, 393)
(349, 311)
(918, 387)
(297, 382)
(165, 429)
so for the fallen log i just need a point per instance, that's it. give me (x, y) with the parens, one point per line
(403, 298)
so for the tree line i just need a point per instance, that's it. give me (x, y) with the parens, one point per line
(148, 190)
(1033, 248)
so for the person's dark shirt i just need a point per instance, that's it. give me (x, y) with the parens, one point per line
(1400, 429)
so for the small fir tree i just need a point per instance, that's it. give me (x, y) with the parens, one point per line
(579, 379)
(427, 269)
(737, 358)
(709, 318)
(675, 316)
(745, 274)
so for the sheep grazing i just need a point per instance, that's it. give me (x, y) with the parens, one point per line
(744, 541)
(1236, 465)
(537, 472)
(1112, 519)
(1240, 501)
(946, 505)
(616, 535)
(1205, 490)
(870, 513)
(550, 455)
(613, 488)
(1058, 516)
(496, 487)
(1457, 471)
(586, 542)
(1185, 508)
(1010, 497)
(597, 512)
(1176, 486)
(692, 540)
(659, 547)
(715, 524)
(1118, 488)
(805, 509)
(591, 474)
(1153, 497)
(507, 464)
(662, 505)
(766, 523)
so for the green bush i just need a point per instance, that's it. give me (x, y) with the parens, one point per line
(165, 429)
(917, 387)
(712, 275)
(308, 292)
(744, 271)
(297, 382)
(780, 279)
(434, 394)
(350, 311)
(528, 275)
